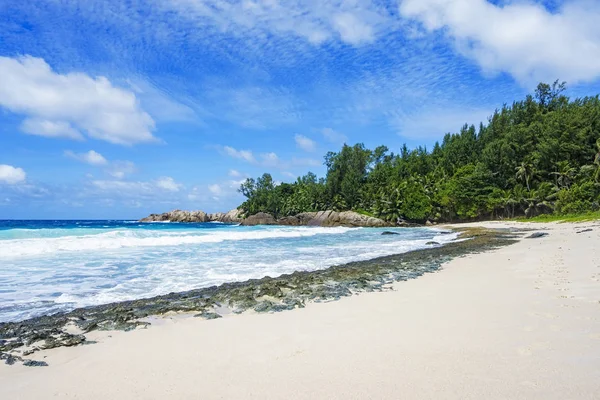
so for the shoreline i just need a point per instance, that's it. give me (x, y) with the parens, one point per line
(520, 322)
(22, 340)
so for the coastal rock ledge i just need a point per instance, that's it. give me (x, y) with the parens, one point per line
(322, 218)
(233, 216)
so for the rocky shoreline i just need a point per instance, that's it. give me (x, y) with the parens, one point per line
(326, 218)
(22, 339)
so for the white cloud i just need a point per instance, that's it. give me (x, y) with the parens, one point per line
(65, 105)
(305, 143)
(11, 175)
(333, 136)
(215, 189)
(270, 160)
(91, 157)
(352, 29)
(167, 183)
(234, 173)
(120, 169)
(51, 129)
(521, 38)
(245, 155)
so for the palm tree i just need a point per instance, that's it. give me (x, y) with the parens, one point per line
(565, 174)
(525, 172)
(597, 162)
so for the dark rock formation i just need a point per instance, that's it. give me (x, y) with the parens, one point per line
(389, 233)
(585, 230)
(537, 235)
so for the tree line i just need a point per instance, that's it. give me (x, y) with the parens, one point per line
(540, 155)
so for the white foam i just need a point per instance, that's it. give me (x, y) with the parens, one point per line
(144, 238)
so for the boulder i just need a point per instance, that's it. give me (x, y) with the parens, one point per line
(291, 221)
(537, 235)
(389, 233)
(235, 215)
(259, 219)
(345, 218)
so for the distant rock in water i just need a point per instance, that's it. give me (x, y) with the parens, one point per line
(233, 216)
(389, 233)
(537, 235)
(432, 243)
(585, 230)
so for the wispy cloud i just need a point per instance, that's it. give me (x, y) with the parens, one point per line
(91, 157)
(354, 22)
(245, 155)
(333, 136)
(305, 143)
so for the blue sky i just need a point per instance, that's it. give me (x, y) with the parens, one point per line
(115, 109)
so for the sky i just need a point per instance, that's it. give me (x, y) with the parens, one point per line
(114, 109)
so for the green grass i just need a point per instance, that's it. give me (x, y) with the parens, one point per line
(590, 216)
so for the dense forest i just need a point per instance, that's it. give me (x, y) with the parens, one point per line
(538, 156)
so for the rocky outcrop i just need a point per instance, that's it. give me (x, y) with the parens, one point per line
(321, 218)
(345, 218)
(260, 219)
(233, 216)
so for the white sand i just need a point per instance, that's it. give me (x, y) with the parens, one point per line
(522, 322)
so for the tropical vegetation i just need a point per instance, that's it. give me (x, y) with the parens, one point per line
(537, 156)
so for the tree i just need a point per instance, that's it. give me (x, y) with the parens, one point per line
(525, 172)
(533, 156)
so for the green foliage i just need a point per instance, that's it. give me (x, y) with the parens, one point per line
(537, 156)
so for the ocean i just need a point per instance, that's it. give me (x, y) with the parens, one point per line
(54, 266)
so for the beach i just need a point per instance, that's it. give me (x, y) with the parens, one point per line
(518, 322)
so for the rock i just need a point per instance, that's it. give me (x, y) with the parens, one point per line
(322, 218)
(208, 315)
(291, 221)
(345, 218)
(585, 230)
(389, 233)
(33, 363)
(432, 243)
(9, 359)
(178, 216)
(428, 223)
(537, 235)
(259, 219)
(232, 216)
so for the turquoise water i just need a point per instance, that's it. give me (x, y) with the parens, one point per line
(52, 266)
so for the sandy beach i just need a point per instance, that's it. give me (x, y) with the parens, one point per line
(520, 322)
